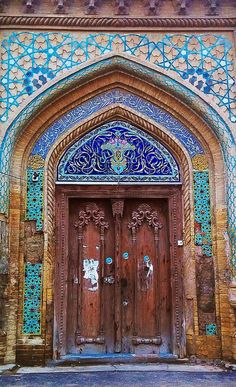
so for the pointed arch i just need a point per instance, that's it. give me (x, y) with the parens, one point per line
(151, 85)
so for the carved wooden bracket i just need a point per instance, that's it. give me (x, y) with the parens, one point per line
(122, 7)
(61, 6)
(182, 6)
(144, 213)
(152, 6)
(91, 214)
(91, 7)
(29, 6)
(117, 208)
(212, 6)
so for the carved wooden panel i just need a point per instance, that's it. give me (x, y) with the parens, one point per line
(147, 316)
(90, 242)
(119, 273)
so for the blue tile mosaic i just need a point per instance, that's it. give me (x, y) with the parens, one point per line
(132, 101)
(202, 212)
(116, 152)
(36, 78)
(210, 115)
(199, 78)
(34, 203)
(198, 58)
(32, 299)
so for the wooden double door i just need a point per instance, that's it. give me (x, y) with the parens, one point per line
(119, 285)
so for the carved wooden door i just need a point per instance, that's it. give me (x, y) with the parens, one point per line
(118, 277)
(90, 305)
(145, 278)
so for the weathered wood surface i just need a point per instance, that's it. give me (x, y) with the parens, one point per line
(122, 272)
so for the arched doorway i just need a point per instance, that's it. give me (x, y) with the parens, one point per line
(156, 114)
(119, 246)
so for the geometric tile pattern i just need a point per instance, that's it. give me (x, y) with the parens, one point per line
(30, 59)
(37, 77)
(34, 204)
(202, 212)
(32, 299)
(117, 152)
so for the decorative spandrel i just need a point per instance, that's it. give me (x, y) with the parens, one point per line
(115, 152)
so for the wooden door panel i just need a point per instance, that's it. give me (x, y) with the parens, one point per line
(146, 314)
(118, 276)
(146, 282)
(90, 289)
(165, 281)
(91, 238)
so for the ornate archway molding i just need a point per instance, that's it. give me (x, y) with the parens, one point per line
(203, 106)
(150, 92)
(51, 162)
(183, 91)
(208, 111)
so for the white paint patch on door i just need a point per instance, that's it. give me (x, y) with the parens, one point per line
(90, 268)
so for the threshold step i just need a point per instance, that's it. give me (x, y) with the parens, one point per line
(121, 358)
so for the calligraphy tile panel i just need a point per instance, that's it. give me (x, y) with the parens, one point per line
(140, 105)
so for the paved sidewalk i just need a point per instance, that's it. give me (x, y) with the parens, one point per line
(13, 369)
(122, 367)
(135, 375)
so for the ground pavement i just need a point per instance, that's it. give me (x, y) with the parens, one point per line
(140, 375)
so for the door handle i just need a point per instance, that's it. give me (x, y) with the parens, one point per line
(125, 302)
(109, 280)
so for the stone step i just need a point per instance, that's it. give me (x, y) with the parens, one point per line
(81, 359)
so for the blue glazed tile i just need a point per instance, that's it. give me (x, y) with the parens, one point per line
(32, 299)
(64, 45)
(202, 212)
(115, 152)
(77, 114)
(211, 329)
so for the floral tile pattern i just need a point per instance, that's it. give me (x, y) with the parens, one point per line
(118, 152)
(32, 299)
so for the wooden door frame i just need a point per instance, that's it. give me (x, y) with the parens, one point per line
(173, 193)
